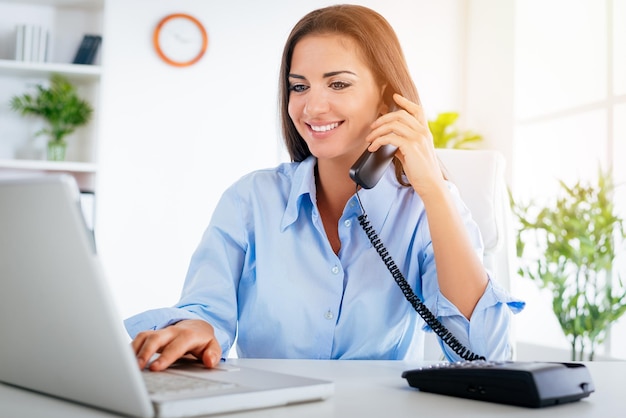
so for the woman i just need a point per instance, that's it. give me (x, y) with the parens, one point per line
(284, 266)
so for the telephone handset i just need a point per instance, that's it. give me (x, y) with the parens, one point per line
(370, 166)
(366, 172)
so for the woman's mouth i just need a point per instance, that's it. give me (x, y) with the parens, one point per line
(324, 128)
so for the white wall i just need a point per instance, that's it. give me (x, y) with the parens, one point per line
(171, 139)
(488, 102)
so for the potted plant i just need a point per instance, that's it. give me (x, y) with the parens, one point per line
(568, 246)
(446, 135)
(60, 107)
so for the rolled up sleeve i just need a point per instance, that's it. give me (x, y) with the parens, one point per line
(156, 319)
(487, 332)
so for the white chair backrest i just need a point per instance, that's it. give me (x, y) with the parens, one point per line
(479, 176)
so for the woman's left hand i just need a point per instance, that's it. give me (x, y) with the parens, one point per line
(407, 129)
(460, 273)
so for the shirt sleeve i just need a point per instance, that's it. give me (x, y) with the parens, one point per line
(156, 319)
(486, 333)
(209, 292)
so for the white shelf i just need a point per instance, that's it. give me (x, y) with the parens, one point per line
(73, 71)
(42, 165)
(88, 4)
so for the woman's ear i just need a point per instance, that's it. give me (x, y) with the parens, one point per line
(384, 109)
(384, 97)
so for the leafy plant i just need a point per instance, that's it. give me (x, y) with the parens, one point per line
(569, 246)
(58, 104)
(446, 135)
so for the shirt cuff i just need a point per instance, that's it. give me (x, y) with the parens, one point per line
(487, 332)
(156, 319)
(164, 317)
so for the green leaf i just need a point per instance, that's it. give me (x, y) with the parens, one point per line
(446, 135)
(58, 105)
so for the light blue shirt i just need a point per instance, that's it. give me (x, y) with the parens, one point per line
(265, 273)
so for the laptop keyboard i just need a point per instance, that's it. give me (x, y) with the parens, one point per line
(170, 383)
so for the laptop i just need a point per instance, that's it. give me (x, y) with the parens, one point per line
(60, 330)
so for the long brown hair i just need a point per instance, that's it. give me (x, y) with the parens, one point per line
(377, 42)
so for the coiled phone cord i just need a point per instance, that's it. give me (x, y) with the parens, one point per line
(432, 321)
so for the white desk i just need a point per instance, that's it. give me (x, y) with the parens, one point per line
(365, 389)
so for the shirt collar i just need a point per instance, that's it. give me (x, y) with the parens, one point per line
(303, 187)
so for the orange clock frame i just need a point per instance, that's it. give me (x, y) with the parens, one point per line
(161, 53)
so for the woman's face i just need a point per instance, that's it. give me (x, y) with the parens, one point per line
(333, 97)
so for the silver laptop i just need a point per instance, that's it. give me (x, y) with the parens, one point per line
(60, 333)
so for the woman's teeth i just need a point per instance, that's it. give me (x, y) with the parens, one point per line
(324, 128)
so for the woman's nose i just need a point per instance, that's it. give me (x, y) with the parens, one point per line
(316, 102)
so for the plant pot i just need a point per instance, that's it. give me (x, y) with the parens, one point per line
(56, 150)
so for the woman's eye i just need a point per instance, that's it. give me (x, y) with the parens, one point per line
(339, 85)
(298, 88)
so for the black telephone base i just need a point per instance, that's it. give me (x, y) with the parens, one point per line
(529, 384)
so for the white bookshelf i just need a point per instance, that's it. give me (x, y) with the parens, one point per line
(21, 151)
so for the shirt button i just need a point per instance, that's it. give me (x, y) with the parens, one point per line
(329, 315)
(347, 223)
(335, 270)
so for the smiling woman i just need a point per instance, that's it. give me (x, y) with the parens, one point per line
(283, 268)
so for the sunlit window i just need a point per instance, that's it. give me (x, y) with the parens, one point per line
(570, 101)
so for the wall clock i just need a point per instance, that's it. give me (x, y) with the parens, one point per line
(180, 39)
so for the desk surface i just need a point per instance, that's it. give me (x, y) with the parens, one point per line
(364, 389)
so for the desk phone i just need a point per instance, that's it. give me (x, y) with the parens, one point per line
(529, 384)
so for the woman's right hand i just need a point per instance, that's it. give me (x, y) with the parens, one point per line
(191, 336)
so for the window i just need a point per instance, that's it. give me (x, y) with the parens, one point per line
(570, 102)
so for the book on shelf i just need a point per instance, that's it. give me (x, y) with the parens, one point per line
(42, 55)
(31, 43)
(19, 42)
(87, 50)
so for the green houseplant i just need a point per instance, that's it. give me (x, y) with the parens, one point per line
(60, 107)
(447, 135)
(568, 246)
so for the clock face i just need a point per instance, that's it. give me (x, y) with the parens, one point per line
(180, 40)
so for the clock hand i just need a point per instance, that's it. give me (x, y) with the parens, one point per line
(182, 38)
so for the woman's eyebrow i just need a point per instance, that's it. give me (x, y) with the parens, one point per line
(334, 73)
(325, 75)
